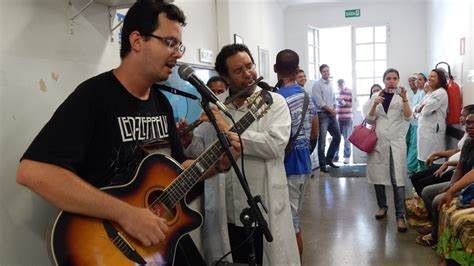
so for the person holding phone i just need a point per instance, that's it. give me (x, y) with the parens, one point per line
(386, 165)
(431, 114)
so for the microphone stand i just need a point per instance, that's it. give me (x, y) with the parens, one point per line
(253, 214)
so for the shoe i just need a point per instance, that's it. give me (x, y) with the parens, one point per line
(402, 225)
(333, 165)
(336, 159)
(347, 160)
(324, 169)
(380, 216)
(426, 240)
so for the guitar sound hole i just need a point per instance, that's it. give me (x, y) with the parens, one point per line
(157, 202)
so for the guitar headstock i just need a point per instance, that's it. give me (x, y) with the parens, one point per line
(259, 103)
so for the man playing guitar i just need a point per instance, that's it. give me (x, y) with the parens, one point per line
(94, 138)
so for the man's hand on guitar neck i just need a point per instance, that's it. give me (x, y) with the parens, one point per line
(142, 224)
(221, 122)
(224, 163)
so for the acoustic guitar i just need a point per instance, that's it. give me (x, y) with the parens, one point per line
(160, 184)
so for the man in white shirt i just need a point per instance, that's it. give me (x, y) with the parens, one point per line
(264, 141)
(323, 93)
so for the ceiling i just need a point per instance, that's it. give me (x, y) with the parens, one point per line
(286, 3)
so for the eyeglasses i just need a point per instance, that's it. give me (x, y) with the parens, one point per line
(171, 43)
(240, 71)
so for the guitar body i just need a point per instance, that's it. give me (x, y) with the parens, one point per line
(82, 240)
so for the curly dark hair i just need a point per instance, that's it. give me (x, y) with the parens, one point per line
(143, 17)
(443, 82)
(226, 52)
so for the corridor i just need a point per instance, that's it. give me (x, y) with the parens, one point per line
(339, 228)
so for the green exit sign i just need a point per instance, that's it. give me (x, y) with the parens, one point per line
(351, 13)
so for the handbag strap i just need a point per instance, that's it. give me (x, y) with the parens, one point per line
(364, 123)
(292, 140)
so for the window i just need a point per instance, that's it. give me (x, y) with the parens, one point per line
(313, 54)
(370, 58)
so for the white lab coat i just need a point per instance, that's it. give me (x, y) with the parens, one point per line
(391, 130)
(431, 130)
(264, 143)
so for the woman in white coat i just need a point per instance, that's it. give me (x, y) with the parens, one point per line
(431, 114)
(375, 89)
(391, 113)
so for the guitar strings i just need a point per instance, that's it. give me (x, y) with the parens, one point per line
(171, 196)
(168, 197)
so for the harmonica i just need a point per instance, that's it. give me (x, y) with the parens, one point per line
(243, 91)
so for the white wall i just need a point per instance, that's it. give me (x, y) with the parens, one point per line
(407, 37)
(36, 45)
(37, 48)
(201, 29)
(259, 23)
(448, 22)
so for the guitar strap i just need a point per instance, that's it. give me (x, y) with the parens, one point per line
(291, 142)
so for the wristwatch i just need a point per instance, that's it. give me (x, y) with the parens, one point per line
(219, 170)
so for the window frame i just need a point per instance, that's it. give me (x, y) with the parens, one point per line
(375, 78)
(314, 60)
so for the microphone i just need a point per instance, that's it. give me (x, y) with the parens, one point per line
(187, 73)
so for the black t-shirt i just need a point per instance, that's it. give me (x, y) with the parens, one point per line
(387, 100)
(467, 155)
(98, 131)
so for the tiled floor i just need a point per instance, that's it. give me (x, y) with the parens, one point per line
(339, 228)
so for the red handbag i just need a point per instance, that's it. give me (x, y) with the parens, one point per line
(364, 138)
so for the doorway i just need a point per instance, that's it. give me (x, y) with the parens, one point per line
(335, 49)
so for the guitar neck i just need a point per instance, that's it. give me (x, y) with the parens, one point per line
(190, 176)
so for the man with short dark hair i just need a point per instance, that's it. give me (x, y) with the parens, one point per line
(264, 143)
(301, 78)
(304, 131)
(323, 93)
(95, 138)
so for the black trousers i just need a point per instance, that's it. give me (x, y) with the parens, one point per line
(187, 253)
(237, 236)
(425, 178)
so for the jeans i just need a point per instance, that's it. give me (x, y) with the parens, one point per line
(398, 194)
(431, 196)
(327, 124)
(345, 128)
